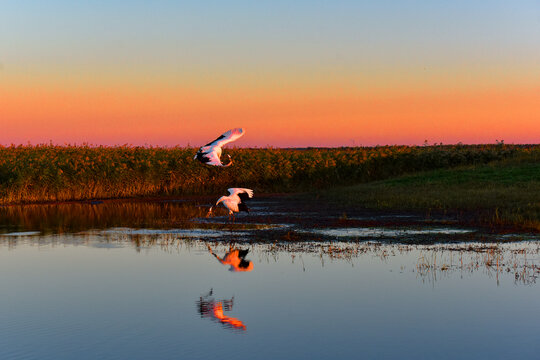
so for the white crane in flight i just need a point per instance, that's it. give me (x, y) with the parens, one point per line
(210, 153)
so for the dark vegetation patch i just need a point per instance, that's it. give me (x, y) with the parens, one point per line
(502, 195)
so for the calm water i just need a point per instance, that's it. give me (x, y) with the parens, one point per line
(115, 293)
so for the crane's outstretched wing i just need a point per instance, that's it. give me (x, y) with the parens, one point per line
(210, 153)
(209, 158)
(242, 193)
(229, 136)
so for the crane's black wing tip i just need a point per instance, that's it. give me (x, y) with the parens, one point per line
(202, 157)
(243, 207)
(243, 253)
(219, 138)
(244, 196)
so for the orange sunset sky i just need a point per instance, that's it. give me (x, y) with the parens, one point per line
(292, 74)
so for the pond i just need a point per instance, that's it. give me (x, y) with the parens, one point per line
(161, 281)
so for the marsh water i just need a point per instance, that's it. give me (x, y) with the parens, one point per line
(159, 280)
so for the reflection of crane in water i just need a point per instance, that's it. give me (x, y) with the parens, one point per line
(208, 307)
(235, 258)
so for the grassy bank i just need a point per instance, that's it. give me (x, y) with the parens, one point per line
(499, 194)
(59, 173)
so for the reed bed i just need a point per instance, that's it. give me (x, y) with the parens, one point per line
(61, 173)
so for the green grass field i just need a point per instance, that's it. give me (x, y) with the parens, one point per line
(499, 194)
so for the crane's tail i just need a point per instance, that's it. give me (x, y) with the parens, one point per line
(229, 163)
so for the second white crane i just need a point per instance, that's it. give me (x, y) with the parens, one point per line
(235, 201)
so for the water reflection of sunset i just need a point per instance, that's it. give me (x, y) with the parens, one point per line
(210, 308)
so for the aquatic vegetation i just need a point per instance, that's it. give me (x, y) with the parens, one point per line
(517, 262)
(60, 173)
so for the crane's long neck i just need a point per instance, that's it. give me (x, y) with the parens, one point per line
(216, 204)
(229, 163)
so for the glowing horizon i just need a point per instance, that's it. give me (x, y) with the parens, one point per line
(293, 75)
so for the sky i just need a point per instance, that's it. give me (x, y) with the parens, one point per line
(291, 73)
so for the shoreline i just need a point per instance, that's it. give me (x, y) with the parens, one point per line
(281, 218)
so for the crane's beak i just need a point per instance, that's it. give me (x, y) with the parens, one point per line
(209, 212)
